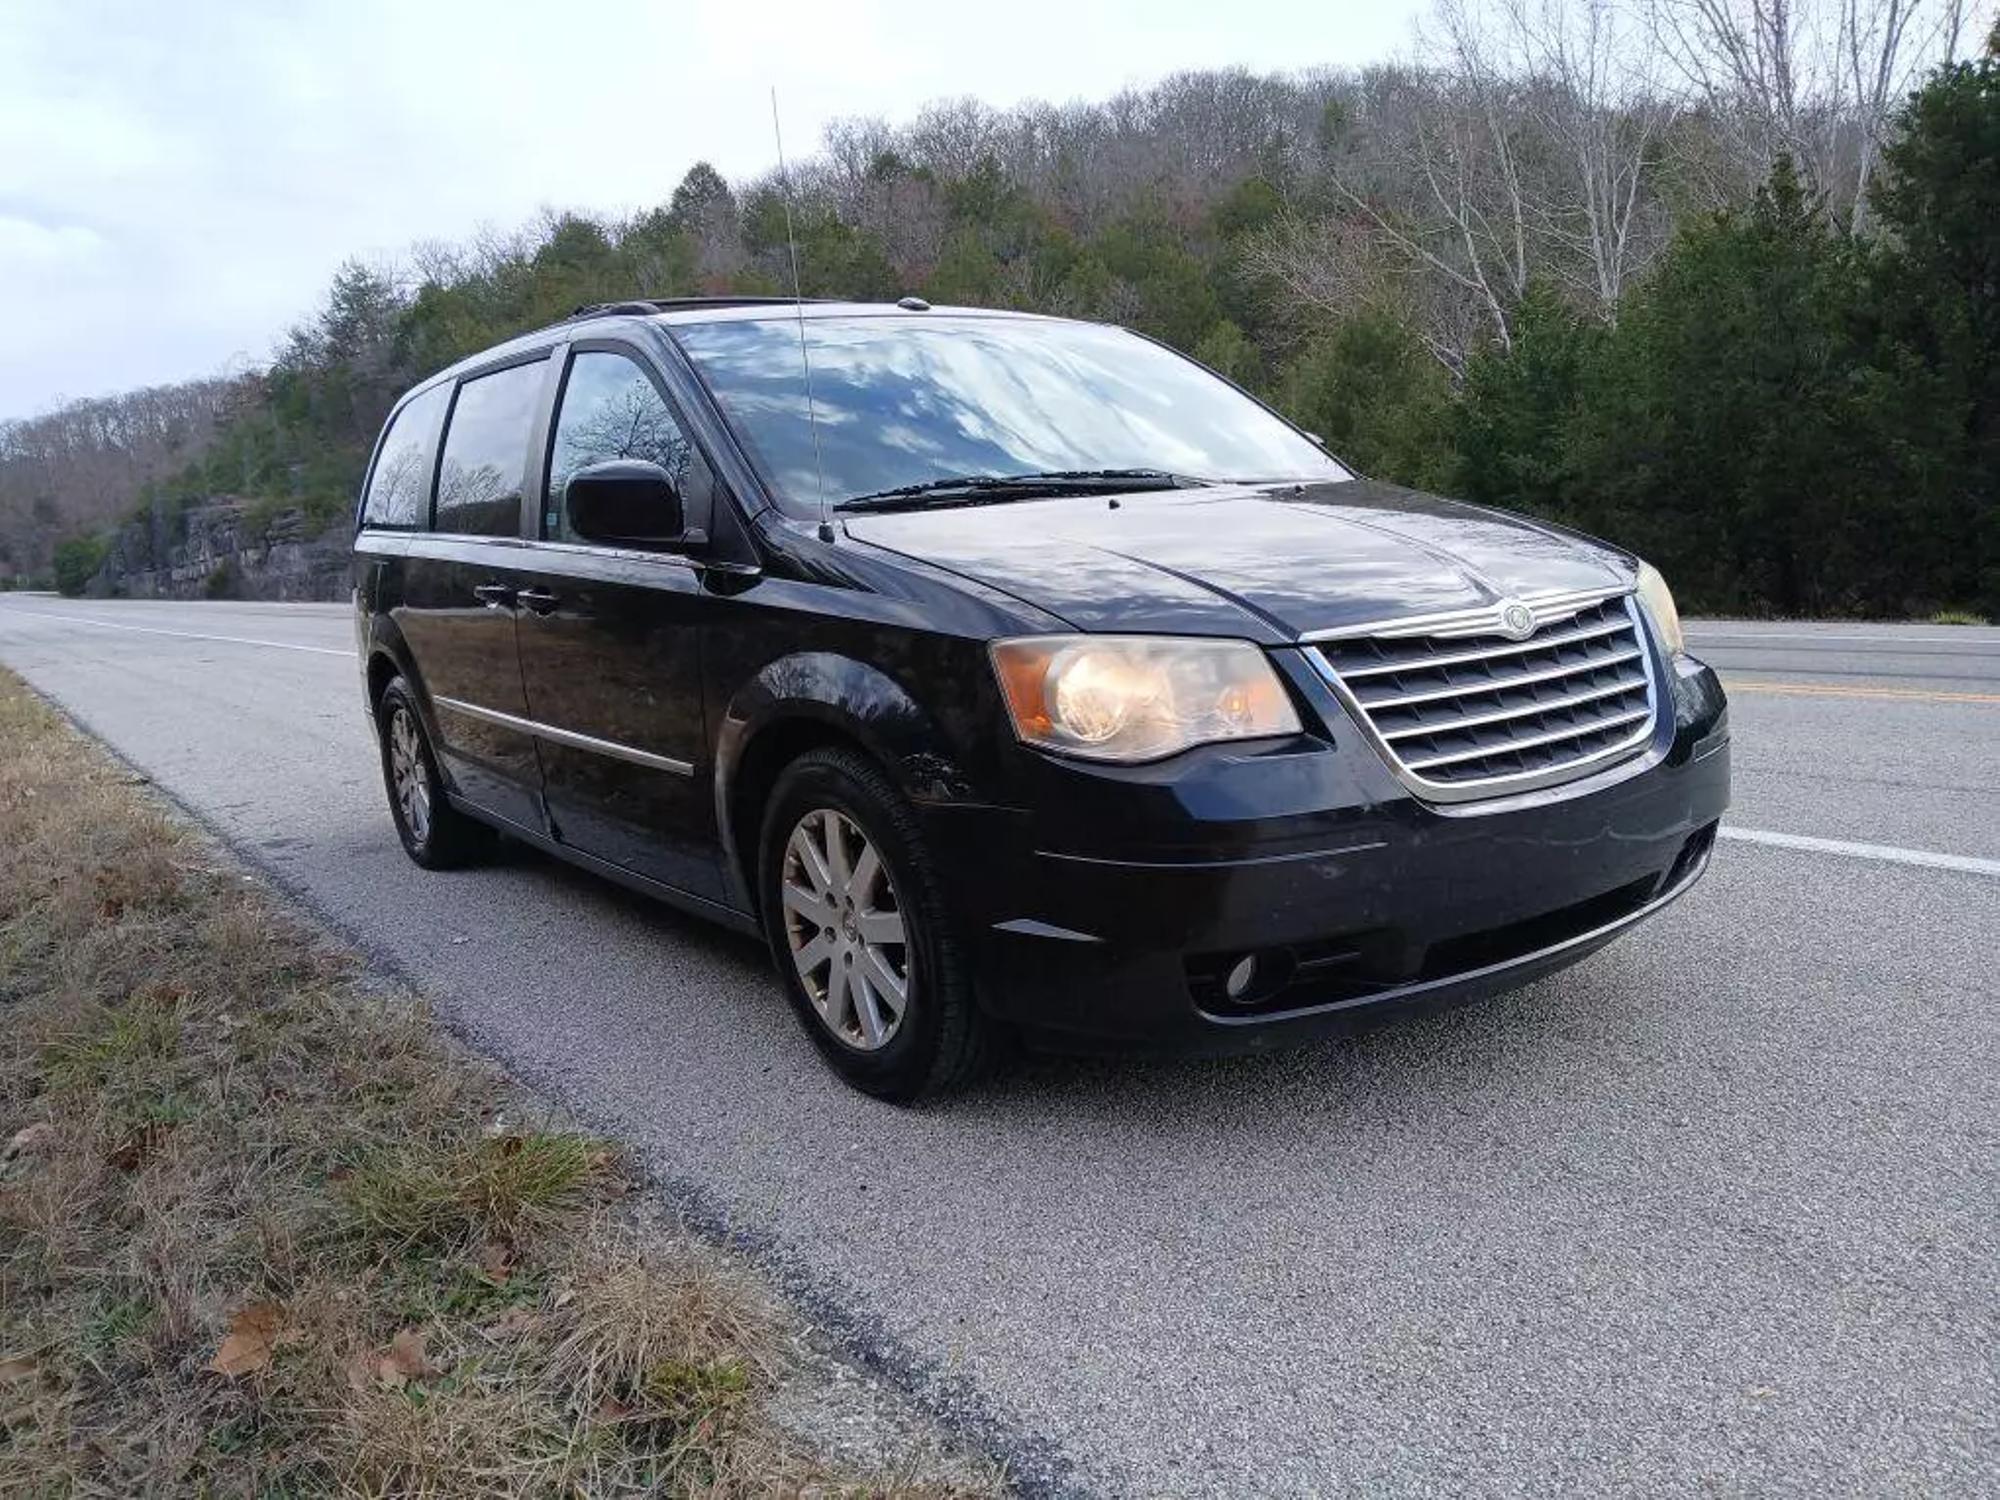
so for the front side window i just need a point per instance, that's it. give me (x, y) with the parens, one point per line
(399, 486)
(924, 398)
(610, 409)
(485, 450)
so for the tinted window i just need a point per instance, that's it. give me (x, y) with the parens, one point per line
(610, 409)
(485, 447)
(399, 487)
(906, 400)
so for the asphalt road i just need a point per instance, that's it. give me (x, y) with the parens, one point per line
(1713, 1212)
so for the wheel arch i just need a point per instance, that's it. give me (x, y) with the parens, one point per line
(382, 670)
(806, 702)
(388, 657)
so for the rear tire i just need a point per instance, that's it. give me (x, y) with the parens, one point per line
(860, 932)
(434, 833)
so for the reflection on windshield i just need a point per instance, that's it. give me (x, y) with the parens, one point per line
(908, 400)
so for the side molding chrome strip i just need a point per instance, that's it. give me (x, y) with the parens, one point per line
(567, 737)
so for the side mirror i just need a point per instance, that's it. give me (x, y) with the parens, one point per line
(625, 502)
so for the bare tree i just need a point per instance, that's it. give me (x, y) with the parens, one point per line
(1333, 267)
(1522, 149)
(1815, 80)
(1591, 97)
(1433, 172)
(1880, 69)
(952, 136)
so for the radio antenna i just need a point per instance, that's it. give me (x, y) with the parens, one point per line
(826, 533)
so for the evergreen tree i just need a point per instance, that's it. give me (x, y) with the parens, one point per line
(1936, 299)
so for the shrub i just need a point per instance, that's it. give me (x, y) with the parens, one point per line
(77, 561)
(221, 583)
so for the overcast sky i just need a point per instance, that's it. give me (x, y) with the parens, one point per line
(179, 178)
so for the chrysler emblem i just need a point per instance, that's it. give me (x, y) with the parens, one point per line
(1517, 620)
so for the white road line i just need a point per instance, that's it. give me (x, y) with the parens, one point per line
(187, 635)
(1724, 637)
(1886, 853)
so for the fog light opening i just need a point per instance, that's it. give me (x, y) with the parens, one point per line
(1252, 978)
(1242, 974)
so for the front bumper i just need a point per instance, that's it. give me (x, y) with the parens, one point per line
(1111, 917)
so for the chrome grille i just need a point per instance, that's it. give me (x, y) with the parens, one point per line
(1468, 710)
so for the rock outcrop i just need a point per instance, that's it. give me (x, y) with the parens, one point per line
(223, 550)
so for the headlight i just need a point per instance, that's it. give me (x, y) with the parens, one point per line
(1133, 698)
(1659, 602)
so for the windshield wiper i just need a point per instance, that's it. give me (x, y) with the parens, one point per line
(972, 489)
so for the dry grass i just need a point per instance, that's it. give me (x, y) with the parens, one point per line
(263, 1230)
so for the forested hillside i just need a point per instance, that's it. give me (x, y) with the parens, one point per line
(1719, 281)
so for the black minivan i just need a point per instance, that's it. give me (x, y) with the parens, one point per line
(1013, 676)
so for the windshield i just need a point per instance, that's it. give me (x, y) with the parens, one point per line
(905, 401)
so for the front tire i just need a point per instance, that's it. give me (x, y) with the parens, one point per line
(858, 926)
(434, 833)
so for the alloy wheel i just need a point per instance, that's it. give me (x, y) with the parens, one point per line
(408, 778)
(844, 928)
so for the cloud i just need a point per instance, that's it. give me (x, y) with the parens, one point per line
(179, 182)
(31, 249)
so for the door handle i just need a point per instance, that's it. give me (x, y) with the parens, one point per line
(494, 595)
(541, 601)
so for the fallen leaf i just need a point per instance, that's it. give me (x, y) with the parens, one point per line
(253, 1334)
(29, 1138)
(406, 1360)
(361, 1371)
(611, 1409)
(514, 1321)
(131, 1153)
(511, 1145)
(17, 1369)
(496, 1261)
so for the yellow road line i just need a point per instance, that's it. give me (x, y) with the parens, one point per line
(1817, 690)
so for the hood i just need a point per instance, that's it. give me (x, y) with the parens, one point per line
(1267, 562)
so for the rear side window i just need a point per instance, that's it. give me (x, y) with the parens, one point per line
(485, 451)
(610, 409)
(399, 488)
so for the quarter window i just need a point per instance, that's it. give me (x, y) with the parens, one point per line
(399, 487)
(485, 450)
(611, 409)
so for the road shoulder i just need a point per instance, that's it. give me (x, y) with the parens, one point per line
(261, 1216)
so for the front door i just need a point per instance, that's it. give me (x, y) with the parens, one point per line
(610, 645)
(459, 598)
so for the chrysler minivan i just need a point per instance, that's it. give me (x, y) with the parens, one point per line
(1013, 677)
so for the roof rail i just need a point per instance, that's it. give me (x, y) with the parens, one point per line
(645, 306)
